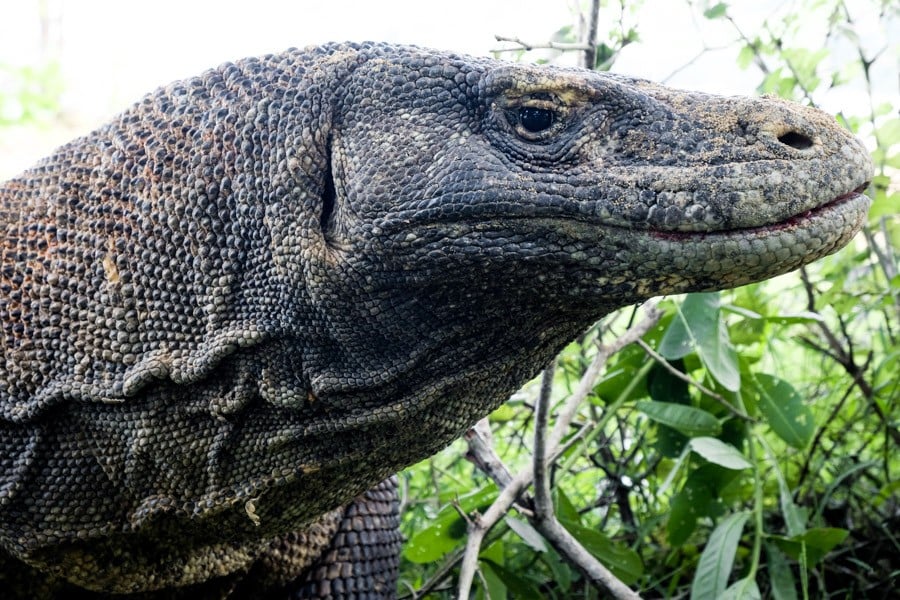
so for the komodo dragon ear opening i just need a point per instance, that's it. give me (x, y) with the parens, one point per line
(328, 199)
(329, 196)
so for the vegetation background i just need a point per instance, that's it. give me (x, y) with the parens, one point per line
(750, 445)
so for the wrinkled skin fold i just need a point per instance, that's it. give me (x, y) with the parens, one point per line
(258, 293)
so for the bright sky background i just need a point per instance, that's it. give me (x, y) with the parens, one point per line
(113, 51)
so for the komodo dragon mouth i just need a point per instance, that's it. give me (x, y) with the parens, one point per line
(854, 205)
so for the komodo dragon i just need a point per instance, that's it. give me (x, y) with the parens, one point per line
(259, 292)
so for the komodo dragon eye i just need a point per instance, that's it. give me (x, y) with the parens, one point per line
(535, 119)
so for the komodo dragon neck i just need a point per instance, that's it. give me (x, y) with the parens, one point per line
(258, 292)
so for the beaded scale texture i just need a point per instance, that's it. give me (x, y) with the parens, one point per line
(260, 292)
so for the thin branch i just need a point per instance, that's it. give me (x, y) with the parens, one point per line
(844, 357)
(542, 502)
(589, 60)
(691, 381)
(481, 453)
(483, 523)
(523, 45)
(545, 520)
(817, 440)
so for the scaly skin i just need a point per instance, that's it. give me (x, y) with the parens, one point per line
(259, 292)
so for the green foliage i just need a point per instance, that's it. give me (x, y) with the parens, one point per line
(779, 474)
(30, 94)
(717, 559)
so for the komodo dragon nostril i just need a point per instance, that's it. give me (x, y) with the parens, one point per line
(795, 140)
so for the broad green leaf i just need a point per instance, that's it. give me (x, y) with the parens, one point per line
(448, 528)
(503, 413)
(717, 558)
(565, 510)
(666, 387)
(716, 11)
(528, 533)
(818, 543)
(699, 325)
(494, 588)
(745, 56)
(518, 586)
(795, 517)
(784, 409)
(781, 579)
(720, 453)
(561, 571)
(888, 133)
(686, 419)
(698, 497)
(624, 562)
(802, 317)
(889, 491)
(669, 442)
(684, 509)
(742, 311)
(743, 589)
(621, 373)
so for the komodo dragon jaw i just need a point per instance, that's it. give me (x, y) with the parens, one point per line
(261, 291)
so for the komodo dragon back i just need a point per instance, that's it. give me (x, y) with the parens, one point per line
(257, 293)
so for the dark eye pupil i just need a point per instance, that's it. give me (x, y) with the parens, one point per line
(535, 119)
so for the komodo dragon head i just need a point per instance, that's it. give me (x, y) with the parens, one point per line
(259, 292)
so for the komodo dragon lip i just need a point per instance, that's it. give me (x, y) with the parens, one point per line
(856, 198)
(852, 201)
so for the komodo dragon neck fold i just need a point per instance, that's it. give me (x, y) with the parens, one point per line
(259, 292)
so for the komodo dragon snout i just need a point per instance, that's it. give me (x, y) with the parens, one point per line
(259, 292)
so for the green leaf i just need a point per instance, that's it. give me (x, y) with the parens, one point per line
(818, 543)
(528, 533)
(745, 57)
(503, 413)
(698, 497)
(781, 579)
(717, 558)
(784, 409)
(699, 325)
(624, 562)
(720, 453)
(495, 588)
(743, 589)
(684, 509)
(448, 528)
(795, 517)
(686, 419)
(716, 11)
(802, 317)
(670, 443)
(561, 572)
(666, 387)
(518, 586)
(565, 510)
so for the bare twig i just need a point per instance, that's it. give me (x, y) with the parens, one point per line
(545, 520)
(590, 53)
(482, 524)
(843, 355)
(690, 381)
(481, 453)
(561, 46)
(541, 417)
